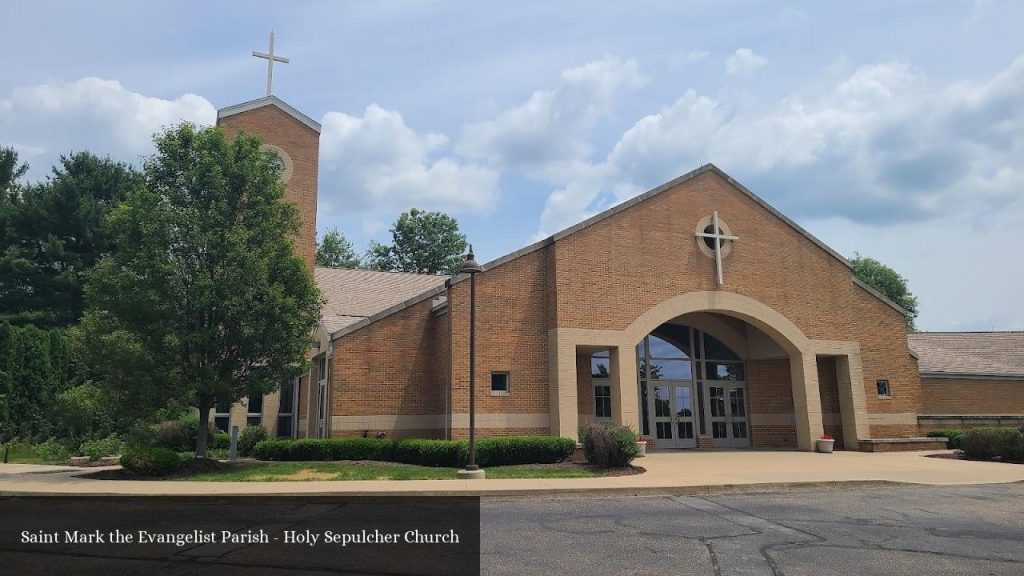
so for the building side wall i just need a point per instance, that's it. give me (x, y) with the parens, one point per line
(386, 368)
(511, 337)
(302, 145)
(611, 272)
(970, 403)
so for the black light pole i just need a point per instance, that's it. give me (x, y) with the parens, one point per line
(471, 267)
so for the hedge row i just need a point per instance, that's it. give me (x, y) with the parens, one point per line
(1006, 444)
(952, 436)
(495, 451)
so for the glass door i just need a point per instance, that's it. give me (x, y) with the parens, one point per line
(672, 413)
(726, 409)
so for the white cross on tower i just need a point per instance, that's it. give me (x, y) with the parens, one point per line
(271, 58)
(718, 236)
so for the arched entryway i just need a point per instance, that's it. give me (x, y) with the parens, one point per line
(723, 313)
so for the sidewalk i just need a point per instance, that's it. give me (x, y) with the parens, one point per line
(684, 472)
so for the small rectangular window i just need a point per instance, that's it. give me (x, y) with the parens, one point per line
(499, 383)
(883, 388)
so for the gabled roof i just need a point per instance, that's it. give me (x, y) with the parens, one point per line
(615, 210)
(955, 354)
(355, 295)
(672, 184)
(269, 101)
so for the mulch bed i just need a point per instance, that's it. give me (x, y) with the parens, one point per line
(188, 468)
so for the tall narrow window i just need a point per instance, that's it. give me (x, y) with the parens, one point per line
(254, 415)
(286, 409)
(222, 416)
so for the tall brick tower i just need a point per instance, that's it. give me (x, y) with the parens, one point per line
(296, 139)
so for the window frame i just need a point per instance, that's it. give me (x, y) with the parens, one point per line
(887, 395)
(508, 383)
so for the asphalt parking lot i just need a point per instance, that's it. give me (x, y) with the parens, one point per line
(905, 530)
(895, 530)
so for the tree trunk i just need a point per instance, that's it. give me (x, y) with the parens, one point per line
(203, 433)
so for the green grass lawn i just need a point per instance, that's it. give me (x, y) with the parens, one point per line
(307, 471)
(23, 454)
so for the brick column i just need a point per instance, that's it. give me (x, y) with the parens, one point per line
(806, 398)
(624, 386)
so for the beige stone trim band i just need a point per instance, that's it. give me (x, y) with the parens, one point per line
(789, 419)
(435, 421)
(897, 419)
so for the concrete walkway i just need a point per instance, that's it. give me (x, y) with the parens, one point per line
(683, 472)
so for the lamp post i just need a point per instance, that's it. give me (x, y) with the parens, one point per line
(471, 267)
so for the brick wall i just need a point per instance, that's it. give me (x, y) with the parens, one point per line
(302, 144)
(972, 396)
(770, 392)
(599, 286)
(511, 337)
(603, 277)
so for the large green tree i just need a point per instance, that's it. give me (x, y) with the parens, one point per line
(52, 233)
(335, 251)
(889, 283)
(11, 170)
(203, 299)
(423, 242)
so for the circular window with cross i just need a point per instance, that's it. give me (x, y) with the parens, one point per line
(715, 240)
(284, 161)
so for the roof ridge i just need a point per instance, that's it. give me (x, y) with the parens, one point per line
(422, 274)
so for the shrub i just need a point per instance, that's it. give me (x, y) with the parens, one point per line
(218, 440)
(150, 461)
(511, 450)
(174, 435)
(609, 445)
(988, 443)
(248, 439)
(52, 451)
(96, 449)
(436, 453)
(497, 451)
(952, 436)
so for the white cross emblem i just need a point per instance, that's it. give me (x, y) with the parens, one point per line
(718, 236)
(271, 58)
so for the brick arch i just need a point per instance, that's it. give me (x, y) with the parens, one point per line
(765, 318)
(564, 342)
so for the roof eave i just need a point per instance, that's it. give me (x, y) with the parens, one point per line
(269, 101)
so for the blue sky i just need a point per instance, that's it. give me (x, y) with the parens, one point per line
(891, 129)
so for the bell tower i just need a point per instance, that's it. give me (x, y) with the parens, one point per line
(295, 138)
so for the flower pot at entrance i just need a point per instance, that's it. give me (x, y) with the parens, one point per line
(642, 445)
(825, 444)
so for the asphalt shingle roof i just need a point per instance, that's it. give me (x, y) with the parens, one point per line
(352, 295)
(977, 353)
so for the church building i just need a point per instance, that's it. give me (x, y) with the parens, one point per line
(695, 313)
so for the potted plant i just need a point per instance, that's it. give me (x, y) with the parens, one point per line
(826, 443)
(641, 443)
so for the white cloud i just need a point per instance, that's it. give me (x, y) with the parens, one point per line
(552, 126)
(744, 61)
(880, 145)
(377, 162)
(101, 116)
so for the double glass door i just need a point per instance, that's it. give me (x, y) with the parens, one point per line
(673, 411)
(725, 409)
